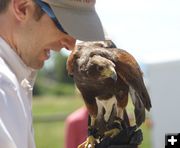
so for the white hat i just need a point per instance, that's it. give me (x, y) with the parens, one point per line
(78, 18)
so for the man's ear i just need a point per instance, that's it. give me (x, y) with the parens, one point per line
(20, 8)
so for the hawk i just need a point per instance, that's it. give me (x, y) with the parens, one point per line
(102, 72)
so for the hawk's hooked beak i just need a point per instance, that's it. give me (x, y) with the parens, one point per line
(109, 73)
(114, 76)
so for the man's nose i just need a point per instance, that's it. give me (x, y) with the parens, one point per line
(68, 42)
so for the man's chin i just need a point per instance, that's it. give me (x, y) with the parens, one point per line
(37, 66)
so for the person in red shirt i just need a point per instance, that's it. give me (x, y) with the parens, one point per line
(76, 128)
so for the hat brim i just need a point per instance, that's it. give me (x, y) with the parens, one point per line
(82, 25)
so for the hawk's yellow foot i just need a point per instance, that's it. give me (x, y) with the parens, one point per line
(89, 143)
(112, 133)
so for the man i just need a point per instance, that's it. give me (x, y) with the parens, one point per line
(29, 29)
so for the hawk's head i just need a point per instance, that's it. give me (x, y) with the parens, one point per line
(100, 68)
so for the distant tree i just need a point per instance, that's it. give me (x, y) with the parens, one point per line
(60, 72)
(53, 77)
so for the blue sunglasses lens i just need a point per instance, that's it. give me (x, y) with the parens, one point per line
(47, 9)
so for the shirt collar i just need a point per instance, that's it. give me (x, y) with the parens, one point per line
(22, 71)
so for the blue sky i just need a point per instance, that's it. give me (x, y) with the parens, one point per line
(149, 29)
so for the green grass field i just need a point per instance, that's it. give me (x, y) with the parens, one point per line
(50, 134)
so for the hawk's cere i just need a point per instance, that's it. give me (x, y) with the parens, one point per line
(102, 72)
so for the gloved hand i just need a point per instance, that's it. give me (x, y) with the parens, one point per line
(129, 137)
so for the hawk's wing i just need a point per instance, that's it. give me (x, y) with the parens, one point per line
(70, 61)
(128, 69)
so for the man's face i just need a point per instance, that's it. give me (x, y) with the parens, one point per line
(38, 37)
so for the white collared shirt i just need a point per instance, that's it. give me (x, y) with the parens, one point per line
(16, 83)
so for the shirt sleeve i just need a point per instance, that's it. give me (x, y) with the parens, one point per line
(70, 135)
(13, 129)
(76, 128)
(6, 139)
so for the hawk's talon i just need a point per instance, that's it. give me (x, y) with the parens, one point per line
(89, 143)
(92, 131)
(117, 123)
(112, 133)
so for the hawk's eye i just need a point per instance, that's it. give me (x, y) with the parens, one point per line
(99, 68)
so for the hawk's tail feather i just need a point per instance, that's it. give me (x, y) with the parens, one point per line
(139, 108)
(126, 118)
(139, 113)
(146, 99)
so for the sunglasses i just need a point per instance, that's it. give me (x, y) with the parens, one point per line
(47, 9)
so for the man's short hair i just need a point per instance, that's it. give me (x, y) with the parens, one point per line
(38, 12)
(4, 5)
